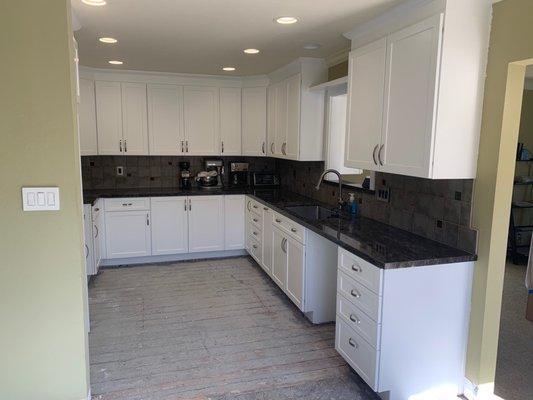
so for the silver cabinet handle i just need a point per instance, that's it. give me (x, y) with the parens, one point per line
(222, 146)
(379, 154)
(185, 204)
(263, 148)
(283, 148)
(294, 230)
(278, 221)
(353, 343)
(255, 219)
(355, 293)
(254, 233)
(86, 251)
(284, 245)
(265, 208)
(125, 145)
(182, 148)
(353, 318)
(254, 205)
(97, 231)
(186, 146)
(190, 204)
(272, 147)
(356, 268)
(254, 246)
(374, 154)
(120, 145)
(147, 219)
(96, 209)
(248, 206)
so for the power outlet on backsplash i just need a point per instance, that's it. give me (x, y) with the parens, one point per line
(120, 171)
(383, 194)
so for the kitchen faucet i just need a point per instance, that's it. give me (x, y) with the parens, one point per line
(334, 171)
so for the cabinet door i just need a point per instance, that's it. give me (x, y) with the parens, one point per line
(267, 240)
(412, 55)
(87, 119)
(234, 222)
(271, 120)
(295, 271)
(134, 119)
(366, 80)
(201, 120)
(127, 234)
(109, 117)
(254, 124)
(88, 245)
(279, 258)
(170, 231)
(230, 121)
(98, 233)
(281, 119)
(292, 141)
(165, 119)
(206, 223)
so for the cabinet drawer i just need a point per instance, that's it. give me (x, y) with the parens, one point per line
(254, 206)
(362, 357)
(290, 227)
(360, 270)
(255, 232)
(254, 219)
(254, 249)
(358, 321)
(363, 298)
(127, 204)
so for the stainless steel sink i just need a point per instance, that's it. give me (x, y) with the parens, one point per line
(313, 213)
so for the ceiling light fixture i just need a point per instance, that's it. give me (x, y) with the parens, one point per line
(312, 46)
(96, 3)
(115, 62)
(228, 68)
(251, 51)
(108, 40)
(286, 20)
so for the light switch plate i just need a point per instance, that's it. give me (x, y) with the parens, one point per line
(40, 199)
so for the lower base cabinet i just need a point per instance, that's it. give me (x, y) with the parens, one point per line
(128, 234)
(279, 258)
(170, 225)
(206, 223)
(90, 266)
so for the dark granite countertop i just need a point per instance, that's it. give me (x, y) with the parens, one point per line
(383, 245)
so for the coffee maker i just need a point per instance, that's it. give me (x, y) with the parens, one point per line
(238, 174)
(185, 174)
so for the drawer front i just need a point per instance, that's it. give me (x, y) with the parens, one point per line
(362, 357)
(127, 204)
(256, 220)
(358, 321)
(290, 227)
(360, 296)
(254, 206)
(255, 250)
(361, 270)
(255, 232)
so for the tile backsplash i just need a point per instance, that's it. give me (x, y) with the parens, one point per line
(436, 209)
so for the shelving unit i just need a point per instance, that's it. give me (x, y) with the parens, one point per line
(517, 250)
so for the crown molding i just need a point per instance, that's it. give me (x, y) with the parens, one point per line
(338, 57)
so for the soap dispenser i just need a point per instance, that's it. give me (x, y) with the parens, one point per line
(352, 204)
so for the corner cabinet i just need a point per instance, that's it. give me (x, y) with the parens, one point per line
(400, 117)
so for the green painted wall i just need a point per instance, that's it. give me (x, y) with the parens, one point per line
(43, 343)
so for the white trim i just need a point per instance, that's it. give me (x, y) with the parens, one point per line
(479, 392)
(334, 84)
(172, 257)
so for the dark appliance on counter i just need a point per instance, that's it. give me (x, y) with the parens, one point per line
(212, 176)
(266, 185)
(238, 174)
(185, 174)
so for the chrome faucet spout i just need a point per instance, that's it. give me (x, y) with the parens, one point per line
(334, 171)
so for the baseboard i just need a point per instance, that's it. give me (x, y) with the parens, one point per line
(172, 258)
(479, 392)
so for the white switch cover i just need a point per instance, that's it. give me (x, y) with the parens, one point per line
(40, 199)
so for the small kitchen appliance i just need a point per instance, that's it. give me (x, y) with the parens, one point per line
(212, 176)
(185, 175)
(238, 174)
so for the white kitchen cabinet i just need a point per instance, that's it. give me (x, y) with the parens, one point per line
(87, 119)
(292, 139)
(295, 271)
(206, 223)
(254, 121)
(234, 222)
(279, 258)
(271, 120)
(128, 234)
(230, 121)
(134, 119)
(365, 104)
(98, 230)
(88, 245)
(280, 133)
(267, 238)
(109, 117)
(170, 227)
(201, 120)
(165, 119)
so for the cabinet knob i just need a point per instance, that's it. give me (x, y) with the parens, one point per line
(355, 293)
(356, 268)
(278, 221)
(353, 318)
(294, 230)
(353, 343)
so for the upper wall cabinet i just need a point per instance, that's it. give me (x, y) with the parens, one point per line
(165, 119)
(122, 118)
(230, 121)
(254, 111)
(415, 96)
(87, 119)
(201, 120)
(295, 121)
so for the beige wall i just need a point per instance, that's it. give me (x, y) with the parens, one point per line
(510, 41)
(43, 344)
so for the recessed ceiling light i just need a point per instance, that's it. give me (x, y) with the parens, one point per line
(228, 68)
(312, 46)
(96, 3)
(286, 20)
(251, 51)
(108, 40)
(115, 62)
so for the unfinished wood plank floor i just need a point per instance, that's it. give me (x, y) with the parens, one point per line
(217, 329)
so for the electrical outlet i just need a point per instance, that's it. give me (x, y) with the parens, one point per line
(383, 194)
(120, 171)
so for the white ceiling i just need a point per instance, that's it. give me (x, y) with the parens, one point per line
(201, 36)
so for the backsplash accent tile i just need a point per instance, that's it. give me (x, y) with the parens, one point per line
(416, 204)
